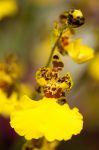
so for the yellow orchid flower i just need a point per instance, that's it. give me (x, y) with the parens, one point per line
(35, 119)
(11, 88)
(7, 103)
(94, 68)
(7, 8)
(78, 52)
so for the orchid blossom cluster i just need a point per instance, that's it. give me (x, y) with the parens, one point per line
(47, 118)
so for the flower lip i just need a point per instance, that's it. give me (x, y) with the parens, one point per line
(46, 118)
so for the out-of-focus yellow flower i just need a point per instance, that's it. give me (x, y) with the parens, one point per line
(94, 68)
(7, 8)
(78, 52)
(11, 88)
(10, 70)
(15, 71)
(35, 119)
(7, 103)
(10, 73)
(4, 77)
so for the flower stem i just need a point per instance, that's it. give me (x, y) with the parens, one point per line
(55, 45)
(53, 49)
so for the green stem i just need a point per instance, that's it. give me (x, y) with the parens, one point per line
(53, 49)
(55, 45)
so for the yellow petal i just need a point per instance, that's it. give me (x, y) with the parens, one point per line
(46, 118)
(7, 8)
(94, 68)
(78, 52)
(7, 104)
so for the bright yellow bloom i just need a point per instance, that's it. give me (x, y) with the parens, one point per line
(7, 104)
(11, 88)
(78, 52)
(10, 70)
(35, 119)
(94, 68)
(7, 8)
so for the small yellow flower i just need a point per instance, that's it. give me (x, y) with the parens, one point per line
(7, 8)
(73, 18)
(35, 119)
(78, 52)
(7, 103)
(10, 70)
(11, 88)
(94, 68)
